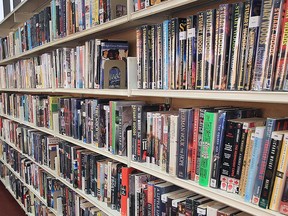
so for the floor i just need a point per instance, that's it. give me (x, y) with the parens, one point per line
(8, 205)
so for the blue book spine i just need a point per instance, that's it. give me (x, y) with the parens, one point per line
(165, 54)
(29, 34)
(270, 125)
(217, 152)
(259, 133)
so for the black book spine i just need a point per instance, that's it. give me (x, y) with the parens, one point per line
(134, 133)
(182, 150)
(200, 49)
(270, 172)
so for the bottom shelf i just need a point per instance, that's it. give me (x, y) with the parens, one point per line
(232, 200)
(12, 194)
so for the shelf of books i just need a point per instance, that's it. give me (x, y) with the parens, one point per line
(93, 200)
(35, 192)
(110, 25)
(101, 151)
(222, 196)
(218, 53)
(24, 9)
(13, 195)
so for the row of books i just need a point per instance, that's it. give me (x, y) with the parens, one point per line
(239, 46)
(22, 194)
(98, 122)
(220, 147)
(84, 66)
(57, 195)
(141, 193)
(28, 73)
(60, 19)
(142, 4)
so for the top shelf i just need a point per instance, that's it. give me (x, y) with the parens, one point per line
(23, 11)
(151, 14)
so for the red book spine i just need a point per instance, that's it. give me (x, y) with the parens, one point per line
(150, 199)
(195, 143)
(126, 171)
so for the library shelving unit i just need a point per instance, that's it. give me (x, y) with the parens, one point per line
(270, 102)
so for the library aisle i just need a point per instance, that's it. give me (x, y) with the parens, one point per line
(8, 205)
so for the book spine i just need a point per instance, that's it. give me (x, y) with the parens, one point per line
(181, 56)
(242, 149)
(199, 144)
(270, 125)
(259, 133)
(149, 137)
(274, 39)
(284, 200)
(153, 57)
(134, 132)
(173, 144)
(236, 26)
(150, 200)
(243, 44)
(182, 144)
(146, 61)
(166, 53)
(246, 161)
(236, 150)
(188, 77)
(279, 180)
(273, 157)
(139, 151)
(172, 53)
(263, 44)
(139, 51)
(207, 148)
(218, 149)
(159, 57)
(252, 41)
(220, 77)
(195, 144)
(209, 46)
(283, 52)
(200, 50)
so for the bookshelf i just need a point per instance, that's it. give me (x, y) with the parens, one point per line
(102, 206)
(23, 11)
(35, 192)
(128, 23)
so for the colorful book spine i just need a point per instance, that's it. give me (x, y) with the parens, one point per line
(271, 125)
(273, 158)
(185, 124)
(283, 53)
(189, 49)
(209, 126)
(259, 135)
(254, 23)
(284, 200)
(263, 45)
(274, 39)
(195, 143)
(220, 75)
(209, 49)
(243, 45)
(166, 62)
(279, 180)
(236, 35)
(200, 49)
